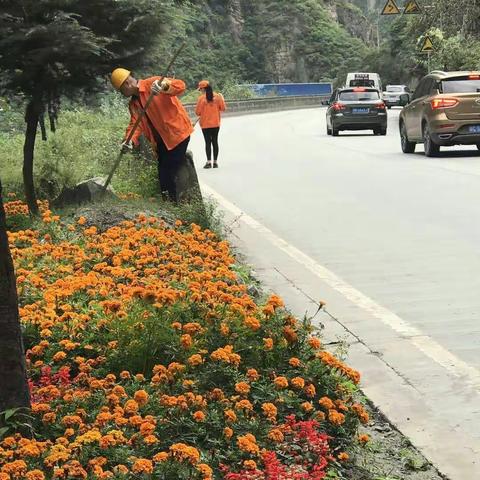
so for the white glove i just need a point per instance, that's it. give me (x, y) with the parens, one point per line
(161, 87)
(127, 147)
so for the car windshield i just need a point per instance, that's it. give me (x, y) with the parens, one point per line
(351, 96)
(394, 89)
(461, 85)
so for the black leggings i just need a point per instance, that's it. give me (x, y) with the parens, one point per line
(169, 161)
(211, 138)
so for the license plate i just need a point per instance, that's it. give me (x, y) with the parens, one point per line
(360, 110)
(474, 129)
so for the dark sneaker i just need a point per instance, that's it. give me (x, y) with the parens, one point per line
(208, 165)
(215, 165)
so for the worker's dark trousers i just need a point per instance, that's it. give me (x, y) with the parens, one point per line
(211, 139)
(169, 162)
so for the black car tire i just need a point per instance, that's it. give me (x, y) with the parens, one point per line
(335, 131)
(478, 146)
(430, 147)
(383, 131)
(389, 107)
(407, 147)
(329, 131)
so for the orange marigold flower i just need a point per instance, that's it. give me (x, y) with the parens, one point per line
(307, 407)
(270, 411)
(82, 221)
(290, 334)
(59, 356)
(252, 323)
(343, 456)
(160, 457)
(35, 475)
(186, 341)
(276, 435)
(183, 452)
(295, 362)
(244, 405)
(364, 438)
(267, 343)
(141, 397)
(125, 375)
(195, 360)
(16, 469)
(326, 403)
(252, 374)
(281, 382)
(314, 342)
(228, 433)
(298, 383)
(131, 407)
(243, 388)
(230, 416)
(310, 391)
(248, 443)
(336, 418)
(199, 416)
(143, 465)
(250, 465)
(205, 471)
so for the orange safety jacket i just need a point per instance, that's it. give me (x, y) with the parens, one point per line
(210, 112)
(166, 113)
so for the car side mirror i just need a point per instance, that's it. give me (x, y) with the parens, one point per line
(404, 99)
(325, 102)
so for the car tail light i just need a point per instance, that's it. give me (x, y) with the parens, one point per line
(380, 106)
(444, 103)
(337, 106)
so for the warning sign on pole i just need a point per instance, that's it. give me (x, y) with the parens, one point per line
(412, 7)
(391, 8)
(427, 46)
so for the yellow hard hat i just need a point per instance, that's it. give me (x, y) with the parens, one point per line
(119, 75)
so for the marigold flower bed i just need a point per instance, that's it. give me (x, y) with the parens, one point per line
(148, 359)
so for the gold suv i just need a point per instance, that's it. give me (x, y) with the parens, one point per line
(444, 111)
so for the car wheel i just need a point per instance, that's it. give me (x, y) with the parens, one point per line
(407, 147)
(430, 147)
(383, 131)
(389, 107)
(335, 131)
(478, 146)
(329, 131)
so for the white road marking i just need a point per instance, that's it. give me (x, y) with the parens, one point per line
(423, 342)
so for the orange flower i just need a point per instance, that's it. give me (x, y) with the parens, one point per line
(183, 452)
(242, 388)
(281, 382)
(228, 433)
(230, 416)
(364, 438)
(195, 360)
(250, 465)
(248, 443)
(314, 342)
(252, 374)
(59, 356)
(343, 456)
(326, 403)
(143, 465)
(295, 362)
(270, 411)
(275, 435)
(199, 416)
(205, 471)
(310, 391)
(307, 407)
(141, 397)
(267, 344)
(35, 475)
(186, 341)
(335, 417)
(252, 323)
(160, 457)
(298, 383)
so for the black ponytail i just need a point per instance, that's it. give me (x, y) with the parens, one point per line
(209, 93)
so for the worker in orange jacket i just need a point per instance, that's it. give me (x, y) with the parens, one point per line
(209, 108)
(166, 124)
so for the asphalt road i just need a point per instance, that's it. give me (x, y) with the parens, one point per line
(402, 229)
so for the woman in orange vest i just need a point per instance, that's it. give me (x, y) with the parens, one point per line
(166, 124)
(209, 108)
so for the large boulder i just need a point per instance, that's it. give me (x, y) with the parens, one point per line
(84, 192)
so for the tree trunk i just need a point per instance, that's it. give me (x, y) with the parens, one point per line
(32, 116)
(14, 391)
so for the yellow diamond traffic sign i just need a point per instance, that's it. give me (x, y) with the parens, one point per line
(390, 8)
(427, 46)
(412, 7)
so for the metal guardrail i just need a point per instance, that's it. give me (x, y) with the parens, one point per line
(269, 104)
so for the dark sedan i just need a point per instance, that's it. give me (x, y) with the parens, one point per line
(358, 108)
